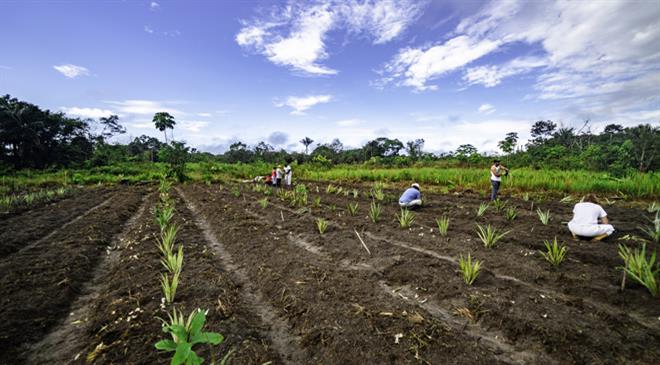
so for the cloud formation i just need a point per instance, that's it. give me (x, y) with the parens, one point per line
(278, 138)
(71, 71)
(93, 113)
(486, 109)
(144, 107)
(301, 104)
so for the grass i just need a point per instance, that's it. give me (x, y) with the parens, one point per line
(543, 216)
(406, 218)
(469, 270)
(443, 225)
(499, 205)
(510, 213)
(317, 202)
(644, 271)
(482, 209)
(653, 207)
(555, 253)
(653, 231)
(352, 209)
(489, 235)
(263, 203)
(374, 212)
(321, 225)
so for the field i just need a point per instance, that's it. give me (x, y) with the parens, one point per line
(80, 280)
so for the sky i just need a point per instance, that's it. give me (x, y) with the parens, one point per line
(450, 72)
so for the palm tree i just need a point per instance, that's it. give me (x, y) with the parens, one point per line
(164, 121)
(307, 141)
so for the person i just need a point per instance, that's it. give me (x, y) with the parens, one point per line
(590, 220)
(278, 176)
(287, 175)
(411, 198)
(273, 176)
(496, 172)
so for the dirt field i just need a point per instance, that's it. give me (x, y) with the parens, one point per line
(81, 286)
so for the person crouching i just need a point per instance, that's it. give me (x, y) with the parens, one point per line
(411, 198)
(590, 220)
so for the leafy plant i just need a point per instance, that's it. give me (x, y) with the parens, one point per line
(317, 201)
(352, 208)
(567, 199)
(322, 225)
(510, 213)
(164, 186)
(406, 218)
(330, 189)
(653, 231)
(173, 262)
(299, 195)
(555, 253)
(164, 215)
(186, 334)
(644, 271)
(543, 216)
(169, 285)
(526, 197)
(443, 225)
(482, 209)
(653, 207)
(470, 270)
(489, 235)
(499, 205)
(236, 193)
(355, 193)
(377, 191)
(263, 203)
(374, 212)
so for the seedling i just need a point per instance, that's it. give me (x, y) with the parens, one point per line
(526, 197)
(164, 186)
(653, 207)
(377, 191)
(567, 199)
(164, 215)
(339, 190)
(406, 218)
(355, 193)
(322, 225)
(443, 225)
(263, 203)
(644, 271)
(352, 208)
(185, 335)
(169, 286)
(555, 253)
(374, 212)
(482, 209)
(543, 216)
(166, 242)
(317, 201)
(653, 231)
(470, 270)
(236, 193)
(330, 189)
(499, 205)
(489, 235)
(173, 262)
(510, 213)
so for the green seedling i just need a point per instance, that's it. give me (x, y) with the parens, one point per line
(169, 286)
(406, 218)
(352, 208)
(489, 235)
(510, 213)
(482, 209)
(374, 212)
(642, 270)
(555, 253)
(322, 225)
(317, 202)
(499, 205)
(443, 225)
(263, 203)
(653, 231)
(543, 216)
(469, 270)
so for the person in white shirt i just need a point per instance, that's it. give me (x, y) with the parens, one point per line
(590, 220)
(278, 176)
(287, 175)
(496, 171)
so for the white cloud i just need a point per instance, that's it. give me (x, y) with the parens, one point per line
(486, 109)
(490, 76)
(204, 115)
(192, 126)
(144, 107)
(148, 29)
(295, 36)
(154, 5)
(349, 122)
(72, 71)
(301, 104)
(94, 113)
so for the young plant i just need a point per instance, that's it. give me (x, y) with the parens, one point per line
(499, 205)
(352, 208)
(185, 335)
(443, 225)
(166, 242)
(169, 286)
(355, 193)
(482, 209)
(644, 271)
(164, 215)
(374, 212)
(469, 270)
(567, 199)
(489, 235)
(173, 262)
(406, 218)
(543, 216)
(317, 202)
(653, 231)
(164, 186)
(653, 207)
(377, 191)
(526, 197)
(555, 253)
(236, 193)
(510, 213)
(330, 189)
(263, 203)
(322, 225)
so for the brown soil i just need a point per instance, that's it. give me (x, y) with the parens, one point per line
(282, 293)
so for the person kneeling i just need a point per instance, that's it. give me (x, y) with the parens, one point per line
(411, 198)
(590, 220)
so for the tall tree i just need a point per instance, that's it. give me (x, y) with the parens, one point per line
(164, 121)
(508, 144)
(307, 142)
(111, 126)
(542, 130)
(414, 148)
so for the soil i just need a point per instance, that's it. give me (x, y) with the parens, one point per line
(362, 293)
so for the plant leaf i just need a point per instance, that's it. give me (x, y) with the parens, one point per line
(182, 352)
(166, 345)
(197, 323)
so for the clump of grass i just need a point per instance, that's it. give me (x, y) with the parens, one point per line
(236, 193)
(567, 199)
(469, 270)
(169, 286)
(489, 235)
(352, 208)
(355, 193)
(322, 225)
(374, 212)
(653, 231)
(543, 216)
(526, 197)
(499, 205)
(653, 207)
(642, 270)
(406, 218)
(377, 191)
(510, 213)
(555, 253)
(482, 209)
(263, 203)
(330, 189)
(443, 225)
(317, 202)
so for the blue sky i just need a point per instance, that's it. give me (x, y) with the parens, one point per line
(451, 72)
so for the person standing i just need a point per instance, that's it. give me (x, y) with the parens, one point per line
(273, 176)
(278, 176)
(287, 175)
(411, 198)
(590, 220)
(496, 172)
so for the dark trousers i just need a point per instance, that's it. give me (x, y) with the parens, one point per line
(496, 188)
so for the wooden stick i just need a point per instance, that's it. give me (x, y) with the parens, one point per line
(282, 215)
(361, 241)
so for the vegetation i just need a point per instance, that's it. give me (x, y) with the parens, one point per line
(482, 209)
(374, 212)
(321, 225)
(263, 203)
(642, 270)
(469, 270)
(352, 208)
(653, 231)
(489, 235)
(406, 218)
(510, 213)
(543, 216)
(499, 205)
(554, 253)
(443, 225)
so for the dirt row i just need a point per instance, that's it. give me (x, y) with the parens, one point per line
(18, 230)
(39, 283)
(531, 313)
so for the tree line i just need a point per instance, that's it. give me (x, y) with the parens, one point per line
(34, 138)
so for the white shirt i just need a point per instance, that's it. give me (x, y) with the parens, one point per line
(287, 170)
(587, 213)
(493, 176)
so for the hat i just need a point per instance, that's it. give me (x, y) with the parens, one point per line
(415, 185)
